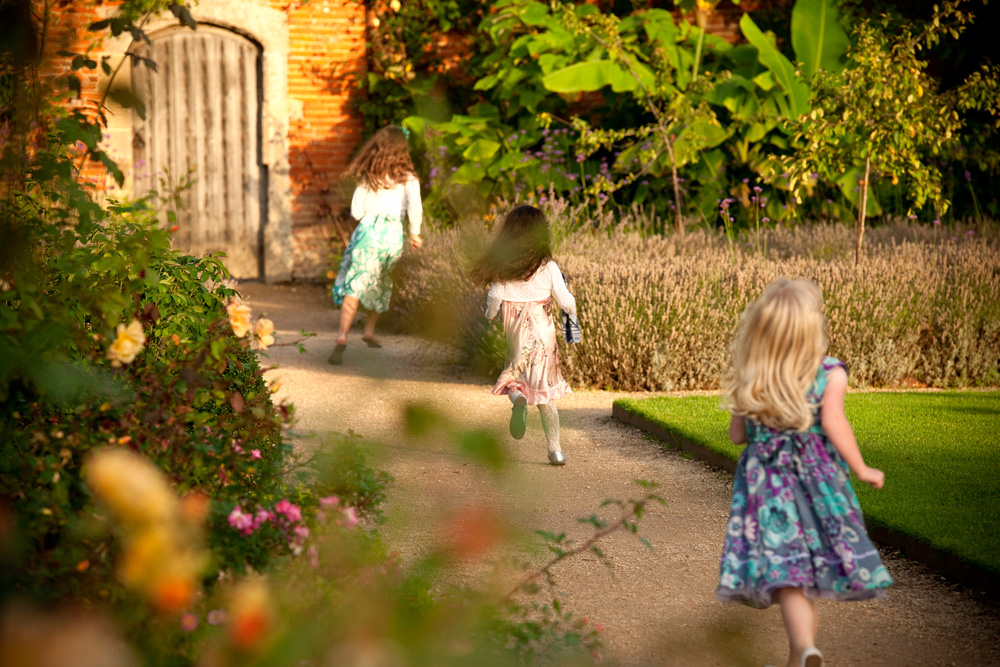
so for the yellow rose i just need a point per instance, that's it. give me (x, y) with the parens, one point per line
(262, 331)
(128, 343)
(239, 318)
(132, 487)
(144, 556)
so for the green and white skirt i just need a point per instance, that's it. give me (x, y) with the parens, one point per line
(366, 269)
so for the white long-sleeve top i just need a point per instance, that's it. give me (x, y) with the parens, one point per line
(399, 200)
(547, 281)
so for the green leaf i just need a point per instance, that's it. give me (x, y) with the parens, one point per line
(415, 124)
(483, 445)
(183, 15)
(487, 82)
(796, 90)
(848, 184)
(127, 99)
(481, 149)
(534, 13)
(594, 75)
(817, 37)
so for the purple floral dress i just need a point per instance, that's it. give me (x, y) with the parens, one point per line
(795, 520)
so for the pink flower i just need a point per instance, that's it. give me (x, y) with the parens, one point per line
(189, 622)
(240, 521)
(261, 517)
(350, 517)
(301, 533)
(291, 511)
(237, 448)
(255, 453)
(313, 554)
(217, 617)
(329, 501)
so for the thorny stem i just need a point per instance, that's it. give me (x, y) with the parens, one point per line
(585, 546)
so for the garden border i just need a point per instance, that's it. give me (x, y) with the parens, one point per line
(942, 561)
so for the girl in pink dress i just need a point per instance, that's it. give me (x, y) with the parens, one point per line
(523, 279)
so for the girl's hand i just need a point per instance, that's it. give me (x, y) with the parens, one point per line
(416, 241)
(872, 476)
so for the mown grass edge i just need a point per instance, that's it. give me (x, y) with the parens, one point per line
(945, 562)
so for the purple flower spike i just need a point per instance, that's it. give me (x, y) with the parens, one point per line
(968, 175)
(935, 222)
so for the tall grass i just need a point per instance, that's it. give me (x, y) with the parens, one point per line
(658, 313)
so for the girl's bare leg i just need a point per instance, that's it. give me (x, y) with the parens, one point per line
(801, 622)
(347, 311)
(370, 325)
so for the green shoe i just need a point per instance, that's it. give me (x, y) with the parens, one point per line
(519, 417)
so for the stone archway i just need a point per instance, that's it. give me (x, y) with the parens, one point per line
(267, 29)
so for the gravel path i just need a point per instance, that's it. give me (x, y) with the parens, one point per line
(656, 608)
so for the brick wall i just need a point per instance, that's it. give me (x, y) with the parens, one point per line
(327, 52)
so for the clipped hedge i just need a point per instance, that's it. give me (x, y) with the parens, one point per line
(658, 313)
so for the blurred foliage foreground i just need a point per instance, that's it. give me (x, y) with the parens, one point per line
(151, 510)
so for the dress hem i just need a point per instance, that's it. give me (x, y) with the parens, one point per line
(534, 396)
(762, 599)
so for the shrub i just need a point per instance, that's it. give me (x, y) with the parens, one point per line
(658, 313)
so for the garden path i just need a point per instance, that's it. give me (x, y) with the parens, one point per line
(656, 608)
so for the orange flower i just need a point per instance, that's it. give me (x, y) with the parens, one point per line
(239, 318)
(262, 333)
(250, 615)
(195, 506)
(474, 531)
(172, 593)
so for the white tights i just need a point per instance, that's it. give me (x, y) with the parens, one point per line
(550, 421)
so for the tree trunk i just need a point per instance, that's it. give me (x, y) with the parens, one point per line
(862, 210)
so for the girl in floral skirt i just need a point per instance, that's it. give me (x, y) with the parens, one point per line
(523, 279)
(387, 190)
(795, 532)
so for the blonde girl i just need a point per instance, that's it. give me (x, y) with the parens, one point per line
(523, 279)
(795, 531)
(387, 191)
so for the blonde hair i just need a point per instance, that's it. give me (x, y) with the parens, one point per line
(779, 345)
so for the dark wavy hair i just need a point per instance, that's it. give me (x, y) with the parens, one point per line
(383, 160)
(519, 250)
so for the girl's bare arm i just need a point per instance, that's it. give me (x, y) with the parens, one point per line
(838, 429)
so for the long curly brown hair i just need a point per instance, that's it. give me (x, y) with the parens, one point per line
(520, 249)
(383, 160)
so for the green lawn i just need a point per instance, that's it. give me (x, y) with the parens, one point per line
(940, 452)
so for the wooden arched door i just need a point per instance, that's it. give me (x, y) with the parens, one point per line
(203, 123)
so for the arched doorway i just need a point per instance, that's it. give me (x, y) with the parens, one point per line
(203, 123)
